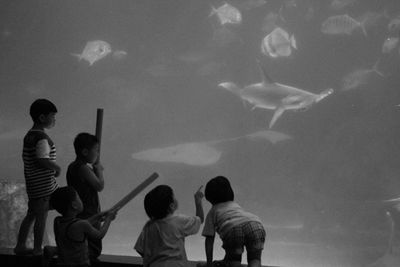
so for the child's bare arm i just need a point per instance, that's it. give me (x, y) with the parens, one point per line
(198, 197)
(93, 177)
(92, 232)
(209, 246)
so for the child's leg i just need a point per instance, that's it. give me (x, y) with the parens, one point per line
(41, 207)
(24, 229)
(233, 258)
(254, 242)
(254, 258)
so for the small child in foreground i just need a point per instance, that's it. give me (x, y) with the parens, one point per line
(236, 227)
(161, 242)
(71, 233)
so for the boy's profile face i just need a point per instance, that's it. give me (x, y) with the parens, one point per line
(48, 121)
(91, 154)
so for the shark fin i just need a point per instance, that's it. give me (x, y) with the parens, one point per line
(278, 112)
(265, 77)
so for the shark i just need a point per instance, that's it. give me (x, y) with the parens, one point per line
(268, 94)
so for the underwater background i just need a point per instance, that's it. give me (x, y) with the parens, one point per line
(318, 179)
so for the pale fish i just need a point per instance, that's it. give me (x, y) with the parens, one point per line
(275, 96)
(94, 51)
(271, 136)
(359, 77)
(340, 4)
(278, 44)
(119, 55)
(194, 154)
(227, 14)
(342, 24)
(390, 44)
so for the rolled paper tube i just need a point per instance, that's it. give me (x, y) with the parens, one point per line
(134, 192)
(99, 127)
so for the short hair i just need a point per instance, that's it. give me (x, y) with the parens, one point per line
(157, 202)
(84, 141)
(219, 190)
(41, 107)
(61, 199)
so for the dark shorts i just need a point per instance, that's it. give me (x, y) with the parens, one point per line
(38, 206)
(250, 235)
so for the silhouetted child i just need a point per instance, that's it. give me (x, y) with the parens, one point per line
(40, 170)
(161, 242)
(85, 175)
(72, 233)
(236, 228)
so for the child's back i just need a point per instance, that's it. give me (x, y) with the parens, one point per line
(71, 251)
(162, 240)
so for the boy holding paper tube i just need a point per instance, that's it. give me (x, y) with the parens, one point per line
(85, 175)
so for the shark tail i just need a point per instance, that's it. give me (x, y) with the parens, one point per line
(230, 86)
(278, 113)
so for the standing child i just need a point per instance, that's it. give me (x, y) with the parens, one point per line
(40, 170)
(85, 175)
(236, 228)
(72, 233)
(162, 240)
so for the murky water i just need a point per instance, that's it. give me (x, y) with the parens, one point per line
(317, 178)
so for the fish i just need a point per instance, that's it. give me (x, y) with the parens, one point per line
(341, 25)
(271, 136)
(340, 4)
(94, 51)
(390, 44)
(278, 44)
(359, 77)
(227, 14)
(119, 55)
(275, 96)
(194, 154)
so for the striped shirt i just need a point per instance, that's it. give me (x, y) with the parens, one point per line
(40, 182)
